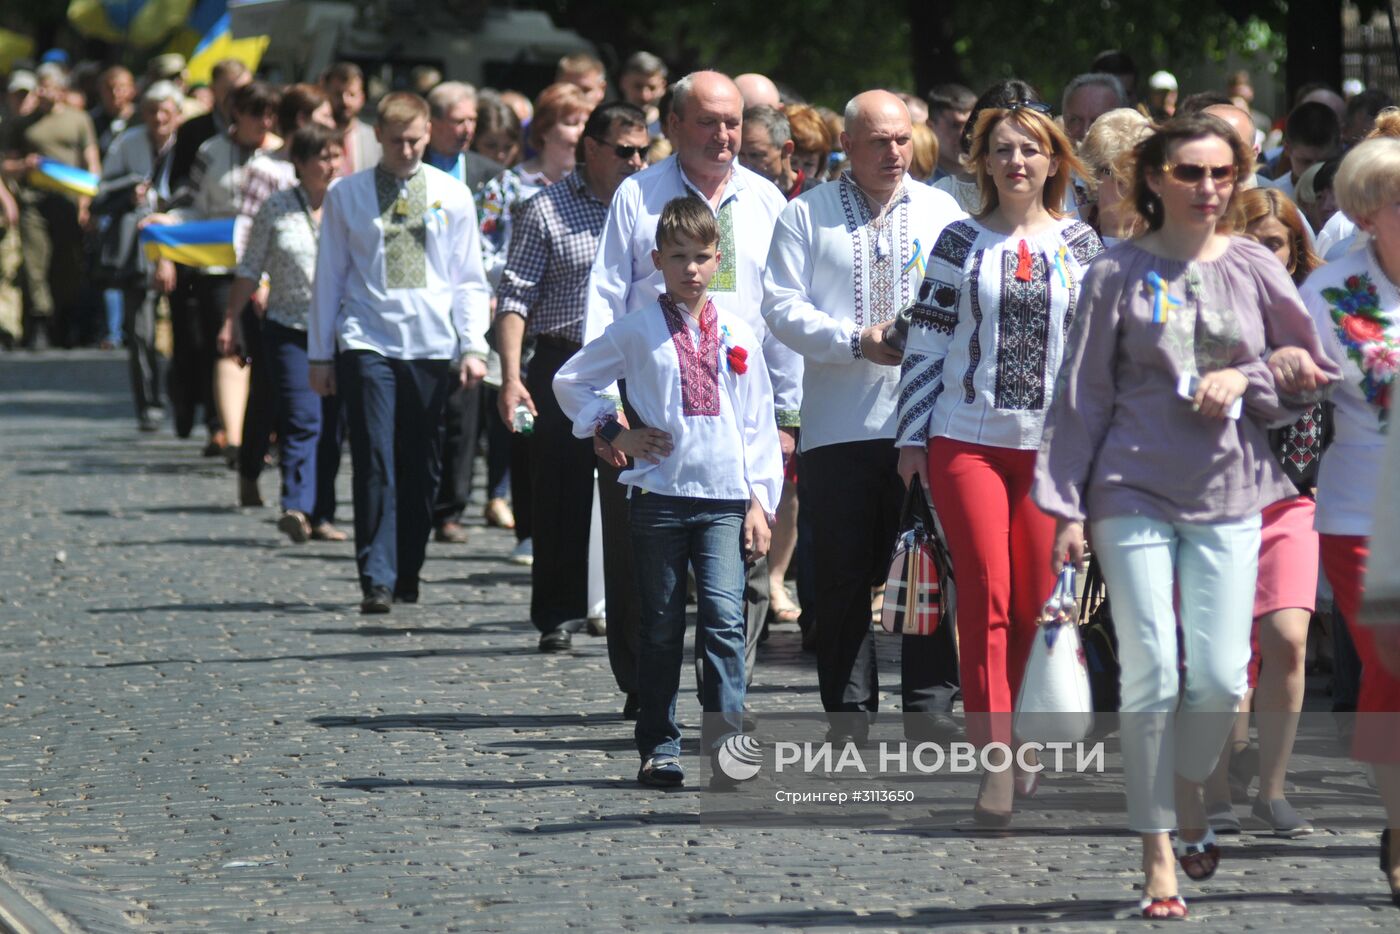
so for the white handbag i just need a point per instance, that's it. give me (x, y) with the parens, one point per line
(1055, 704)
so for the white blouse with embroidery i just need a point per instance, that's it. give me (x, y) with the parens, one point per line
(680, 380)
(988, 334)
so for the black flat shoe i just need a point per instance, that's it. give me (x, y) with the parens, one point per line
(1386, 863)
(557, 640)
(378, 600)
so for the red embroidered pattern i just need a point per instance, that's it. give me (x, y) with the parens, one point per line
(699, 370)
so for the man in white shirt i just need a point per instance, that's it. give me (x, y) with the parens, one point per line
(399, 308)
(846, 257)
(705, 127)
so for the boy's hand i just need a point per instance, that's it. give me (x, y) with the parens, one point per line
(646, 444)
(757, 534)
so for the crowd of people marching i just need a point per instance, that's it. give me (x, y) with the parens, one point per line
(1152, 323)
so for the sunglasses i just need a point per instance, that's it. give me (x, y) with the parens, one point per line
(1039, 107)
(627, 152)
(1190, 173)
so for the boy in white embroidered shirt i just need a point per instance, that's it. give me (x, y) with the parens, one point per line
(705, 480)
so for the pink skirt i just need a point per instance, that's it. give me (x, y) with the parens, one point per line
(1288, 562)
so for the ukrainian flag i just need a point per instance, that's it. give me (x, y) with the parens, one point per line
(198, 243)
(65, 179)
(218, 44)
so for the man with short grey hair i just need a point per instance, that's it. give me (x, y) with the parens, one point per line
(1087, 97)
(767, 149)
(451, 126)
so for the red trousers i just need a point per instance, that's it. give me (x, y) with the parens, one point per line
(1000, 543)
(1377, 721)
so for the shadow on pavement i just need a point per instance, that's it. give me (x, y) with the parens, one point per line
(465, 721)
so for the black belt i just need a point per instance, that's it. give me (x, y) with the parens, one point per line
(555, 342)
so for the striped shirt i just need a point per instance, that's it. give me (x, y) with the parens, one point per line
(554, 239)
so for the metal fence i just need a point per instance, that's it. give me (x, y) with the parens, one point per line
(1369, 49)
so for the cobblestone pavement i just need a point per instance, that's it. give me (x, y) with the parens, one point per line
(200, 733)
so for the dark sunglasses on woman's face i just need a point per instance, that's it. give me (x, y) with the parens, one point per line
(1191, 173)
(1038, 106)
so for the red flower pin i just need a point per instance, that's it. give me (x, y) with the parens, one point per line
(738, 360)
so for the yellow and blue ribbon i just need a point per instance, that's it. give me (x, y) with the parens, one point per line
(1062, 266)
(917, 262)
(1163, 302)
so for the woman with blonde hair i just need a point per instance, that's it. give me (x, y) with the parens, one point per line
(1158, 435)
(925, 153)
(811, 141)
(1286, 589)
(983, 352)
(1107, 152)
(1355, 302)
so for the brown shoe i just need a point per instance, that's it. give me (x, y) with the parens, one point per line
(294, 525)
(248, 494)
(453, 533)
(498, 514)
(325, 532)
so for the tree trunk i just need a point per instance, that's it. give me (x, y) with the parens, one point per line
(931, 44)
(1314, 38)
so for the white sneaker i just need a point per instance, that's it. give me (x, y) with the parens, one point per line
(524, 552)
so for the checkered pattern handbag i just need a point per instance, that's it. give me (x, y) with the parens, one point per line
(919, 569)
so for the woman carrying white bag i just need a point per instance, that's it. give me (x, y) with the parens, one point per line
(1055, 704)
(1158, 435)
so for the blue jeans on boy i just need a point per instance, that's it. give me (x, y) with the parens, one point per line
(669, 533)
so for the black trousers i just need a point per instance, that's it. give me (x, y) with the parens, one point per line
(561, 487)
(461, 431)
(853, 494)
(197, 312)
(139, 332)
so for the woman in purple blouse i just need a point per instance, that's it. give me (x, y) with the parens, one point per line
(1158, 436)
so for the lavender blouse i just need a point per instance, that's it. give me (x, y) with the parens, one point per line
(1119, 440)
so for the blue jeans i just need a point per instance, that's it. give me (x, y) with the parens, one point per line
(669, 533)
(308, 427)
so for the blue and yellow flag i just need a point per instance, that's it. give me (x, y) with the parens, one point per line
(218, 44)
(198, 243)
(52, 175)
(142, 23)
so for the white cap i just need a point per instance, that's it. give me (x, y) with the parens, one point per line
(1162, 81)
(161, 91)
(22, 80)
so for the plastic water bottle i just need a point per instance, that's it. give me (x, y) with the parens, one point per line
(522, 421)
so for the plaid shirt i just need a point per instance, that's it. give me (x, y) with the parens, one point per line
(555, 237)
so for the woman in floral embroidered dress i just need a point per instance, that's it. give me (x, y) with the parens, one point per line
(1158, 435)
(1355, 302)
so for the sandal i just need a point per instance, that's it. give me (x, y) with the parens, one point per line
(780, 606)
(661, 772)
(1198, 859)
(1163, 908)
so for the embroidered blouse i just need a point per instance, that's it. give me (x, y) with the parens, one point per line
(834, 269)
(1118, 439)
(680, 379)
(988, 333)
(1357, 312)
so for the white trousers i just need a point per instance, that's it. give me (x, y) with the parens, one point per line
(1169, 729)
